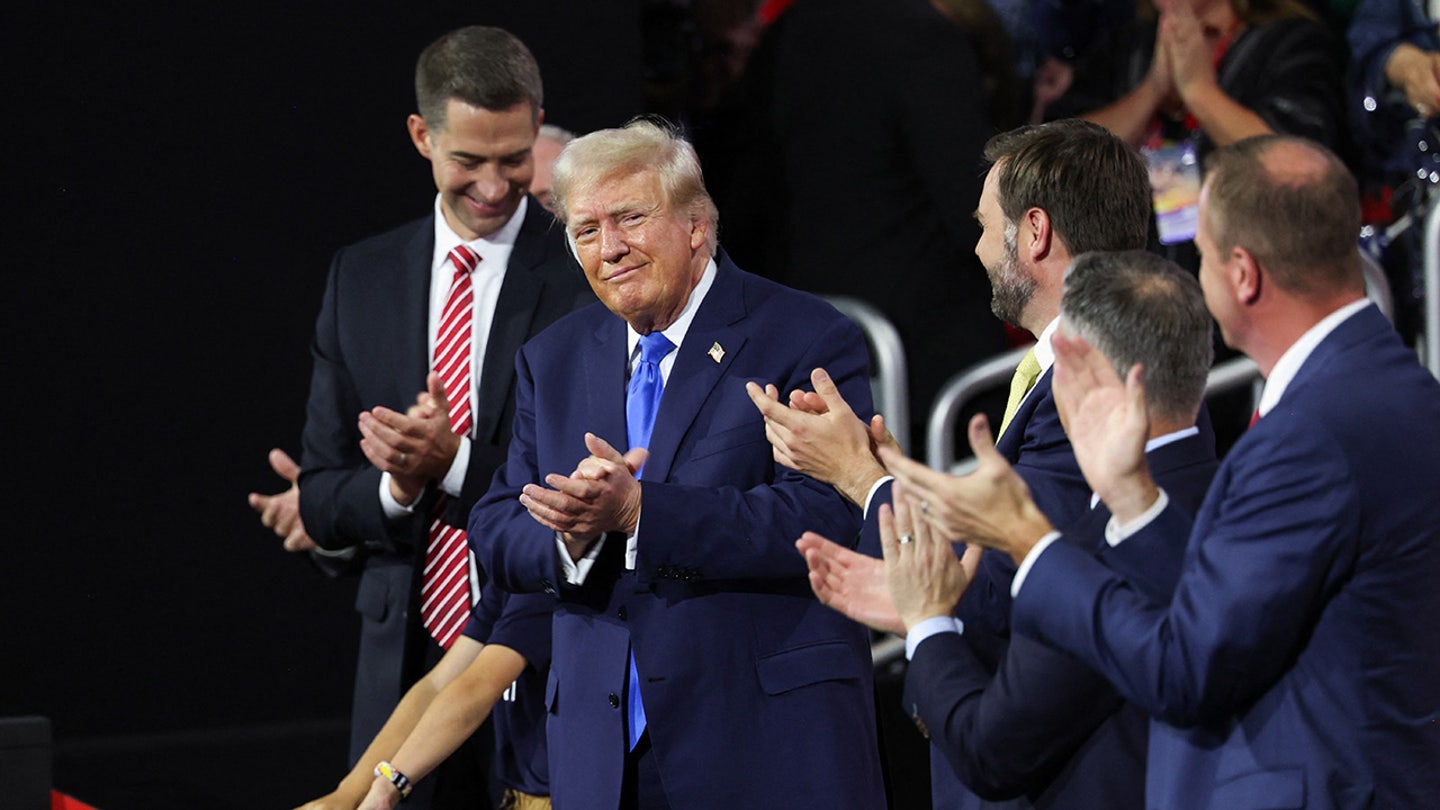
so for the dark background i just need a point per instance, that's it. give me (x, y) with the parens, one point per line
(176, 177)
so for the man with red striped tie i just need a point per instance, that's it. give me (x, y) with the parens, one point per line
(438, 307)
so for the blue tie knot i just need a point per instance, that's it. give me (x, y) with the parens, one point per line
(654, 347)
(646, 386)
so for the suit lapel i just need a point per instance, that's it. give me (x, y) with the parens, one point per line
(1014, 435)
(413, 340)
(514, 312)
(696, 372)
(604, 372)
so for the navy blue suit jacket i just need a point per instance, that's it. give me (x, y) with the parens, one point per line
(1046, 730)
(371, 348)
(1295, 665)
(756, 695)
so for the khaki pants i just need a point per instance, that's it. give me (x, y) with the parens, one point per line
(515, 800)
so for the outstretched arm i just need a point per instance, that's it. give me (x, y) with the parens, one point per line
(456, 712)
(407, 715)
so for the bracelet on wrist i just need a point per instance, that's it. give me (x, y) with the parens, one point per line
(389, 773)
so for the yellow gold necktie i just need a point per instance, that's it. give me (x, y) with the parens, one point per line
(1025, 376)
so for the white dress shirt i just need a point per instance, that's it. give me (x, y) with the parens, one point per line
(489, 275)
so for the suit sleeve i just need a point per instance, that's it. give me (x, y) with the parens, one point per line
(339, 488)
(1378, 28)
(1005, 736)
(515, 551)
(1278, 537)
(561, 293)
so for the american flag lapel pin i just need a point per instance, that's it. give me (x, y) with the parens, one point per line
(717, 352)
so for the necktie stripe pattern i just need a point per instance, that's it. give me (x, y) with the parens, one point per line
(445, 588)
(642, 401)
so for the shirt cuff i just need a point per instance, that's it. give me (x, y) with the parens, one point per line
(932, 626)
(1115, 534)
(1029, 560)
(393, 509)
(575, 571)
(870, 496)
(453, 484)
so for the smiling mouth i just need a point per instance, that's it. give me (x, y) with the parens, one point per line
(623, 272)
(484, 208)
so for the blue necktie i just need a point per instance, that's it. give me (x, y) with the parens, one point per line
(642, 400)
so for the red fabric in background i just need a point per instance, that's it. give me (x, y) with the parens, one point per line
(59, 801)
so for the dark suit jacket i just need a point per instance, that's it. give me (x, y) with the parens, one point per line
(371, 348)
(1295, 665)
(756, 695)
(1046, 730)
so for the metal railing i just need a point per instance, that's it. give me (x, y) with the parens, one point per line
(1377, 287)
(963, 387)
(889, 384)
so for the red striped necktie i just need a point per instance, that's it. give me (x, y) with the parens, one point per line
(445, 591)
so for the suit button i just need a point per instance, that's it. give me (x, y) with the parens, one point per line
(622, 613)
(614, 701)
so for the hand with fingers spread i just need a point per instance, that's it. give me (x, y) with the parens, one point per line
(820, 435)
(1107, 424)
(923, 574)
(812, 402)
(415, 447)
(601, 495)
(281, 512)
(850, 582)
(991, 506)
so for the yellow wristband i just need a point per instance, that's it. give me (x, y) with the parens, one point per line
(401, 782)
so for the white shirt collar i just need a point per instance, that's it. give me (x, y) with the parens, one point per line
(1151, 445)
(1044, 351)
(491, 248)
(675, 332)
(1294, 357)
(1170, 438)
